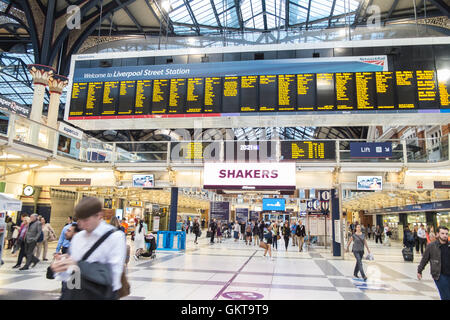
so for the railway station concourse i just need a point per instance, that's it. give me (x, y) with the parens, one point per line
(325, 113)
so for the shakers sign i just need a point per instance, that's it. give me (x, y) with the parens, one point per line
(249, 176)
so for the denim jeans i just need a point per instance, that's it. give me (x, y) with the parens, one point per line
(359, 266)
(443, 285)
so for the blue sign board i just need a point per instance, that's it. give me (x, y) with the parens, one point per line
(430, 206)
(370, 150)
(270, 204)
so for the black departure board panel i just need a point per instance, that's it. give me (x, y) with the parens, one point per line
(249, 151)
(127, 92)
(230, 99)
(78, 99)
(325, 92)
(249, 93)
(308, 150)
(427, 91)
(188, 151)
(143, 97)
(177, 96)
(110, 98)
(287, 95)
(94, 98)
(306, 92)
(268, 93)
(345, 91)
(213, 95)
(365, 90)
(385, 88)
(194, 97)
(406, 89)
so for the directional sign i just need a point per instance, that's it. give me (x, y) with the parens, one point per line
(370, 150)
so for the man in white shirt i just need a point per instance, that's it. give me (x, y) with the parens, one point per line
(422, 235)
(111, 252)
(386, 237)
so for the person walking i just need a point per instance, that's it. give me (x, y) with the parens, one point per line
(255, 232)
(301, 234)
(268, 237)
(286, 231)
(219, 232)
(49, 235)
(369, 231)
(275, 231)
(31, 238)
(431, 236)
(359, 242)
(294, 236)
(378, 233)
(139, 239)
(9, 232)
(416, 239)
(242, 224)
(196, 230)
(422, 236)
(20, 242)
(236, 229)
(98, 251)
(63, 242)
(408, 240)
(387, 234)
(438, 254)
(248, 234)
(213, 227)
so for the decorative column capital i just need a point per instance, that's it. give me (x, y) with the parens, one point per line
(57, 83)
(40, 73)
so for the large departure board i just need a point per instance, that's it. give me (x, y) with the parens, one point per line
(325, 91)
(249, 93)
(177, 96)
(444, 89)
(78, 99)
(287, 95)
(268, 93)
(306, 92)
(110, 100)
(213, 95)
(127, 92)
(365, 90)
(345, 91)
(406, 89)
(385, 87)
(161, 90)
(308, 150)
(94, 98)
(143, 97)
(194, 97)
(427, 92)
(249, 151)
(230, 99)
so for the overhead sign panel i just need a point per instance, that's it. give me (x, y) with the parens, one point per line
(308, 150)
(274, 204)
(370, 150)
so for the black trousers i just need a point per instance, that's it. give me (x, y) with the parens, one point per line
(22, 253)
(422, 244)
(29, 249)
(286, 241)
(275, 242)
(213, 233)
(378, 237)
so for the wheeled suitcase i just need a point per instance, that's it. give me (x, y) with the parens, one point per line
(408, 254)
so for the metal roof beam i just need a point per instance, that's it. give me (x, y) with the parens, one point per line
(264, 12)
(169, 25)
(213, 6)
(286, 14)
(239, 14)
(331, 13)
(132, 17)
(307, 16)
(442, 6)
(191, 13)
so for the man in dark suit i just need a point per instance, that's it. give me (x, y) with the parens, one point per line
(31, 239)
(300, 232)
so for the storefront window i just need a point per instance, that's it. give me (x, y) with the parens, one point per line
(417, 219)
(443, 219)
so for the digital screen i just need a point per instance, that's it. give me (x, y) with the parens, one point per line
(78, 100)
(213, 95)
(194, 97)
(161, 90)
(308, 150)
(250, 151)
(427, 90)
(369, 183)
(345, 91)
(268, 93)
(187, 151)
(177, 96)
(110, 97)
(127, 92)
(306, 92)
(287, 100)
(325, 91)
(94, 98)
(444, 87)
(249, 93)
(274, 204)
(143, 97)
(143, 181)
(385, 86)
(230, 99)
(406, 89)
(365, 90)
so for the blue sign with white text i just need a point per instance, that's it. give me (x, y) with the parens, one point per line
(370, 150)
(270, 204)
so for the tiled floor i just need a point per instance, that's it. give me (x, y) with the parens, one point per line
(238, 271)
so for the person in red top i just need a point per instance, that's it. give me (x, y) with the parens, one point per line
(125, 225)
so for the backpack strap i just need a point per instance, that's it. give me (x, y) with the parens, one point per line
(97, 244)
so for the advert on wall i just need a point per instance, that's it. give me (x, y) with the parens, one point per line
(242, 214)
(220, 211)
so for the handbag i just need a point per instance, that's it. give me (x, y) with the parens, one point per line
(370, 257)
(278, 237)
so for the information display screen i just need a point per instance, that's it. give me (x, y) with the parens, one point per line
(427, 89)
(230, 99)
(287, 96)
(143, 97)
(365, 90)
(308, 150)
(268, 93)
(406, 89)
(325, 92)
(444, 88)
(345, 91)
(306, 92)
(188, 151)
(110, 100)
(177, 96)
(385, 87)
(127, 92)
(94, 98)
(161, 90)
(250, 151)
(249, 93)
(78, 99)
(194, 97)
(213, 95)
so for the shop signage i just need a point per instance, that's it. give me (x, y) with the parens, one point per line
(134, 203)
(70, 131)
(75, 182)
(274, 204)
(14, 107)
(370, 150)
(415, 207)
(442, 184)
(249, 176)
(107, 203)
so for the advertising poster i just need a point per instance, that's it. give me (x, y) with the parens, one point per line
(69, 146)
(220, 211)
(254, 215)
(156, 220)
(369, 183)
(242, 214)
